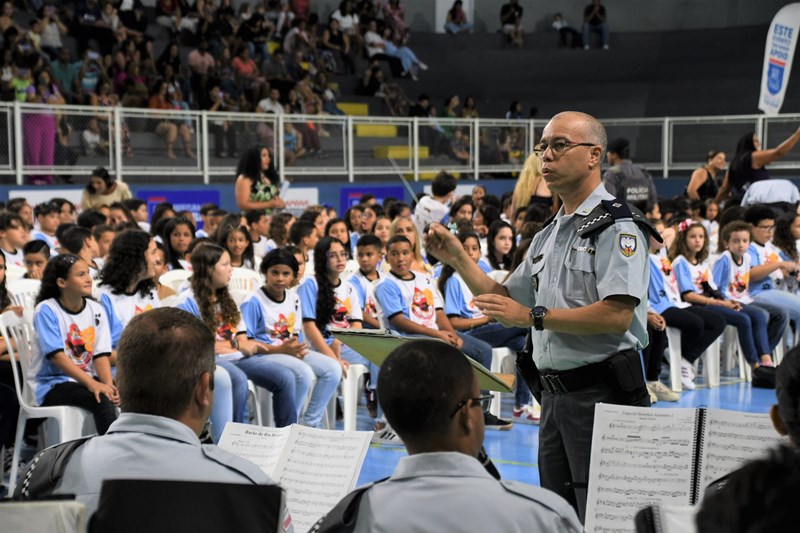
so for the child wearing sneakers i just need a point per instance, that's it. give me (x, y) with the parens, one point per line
(699, 327)
(412, 305)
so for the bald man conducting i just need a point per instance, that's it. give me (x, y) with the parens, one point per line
(583, 292)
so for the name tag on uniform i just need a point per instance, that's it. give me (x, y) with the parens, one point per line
(586, 249)
(537, 259)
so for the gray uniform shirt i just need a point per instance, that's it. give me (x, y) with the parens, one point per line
(139, 446)
(451, 491)
(632, 183)
(565, 271)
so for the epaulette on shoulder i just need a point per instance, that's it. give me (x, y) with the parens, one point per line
(609, 211)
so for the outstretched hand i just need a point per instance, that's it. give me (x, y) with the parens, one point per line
(442, 244)
(505, 310)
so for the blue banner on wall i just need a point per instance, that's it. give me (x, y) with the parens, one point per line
(350, 195)
(181, 200)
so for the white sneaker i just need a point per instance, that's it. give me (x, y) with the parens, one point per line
(653, 397)
(422, 65)
(687, 375)
(585, 46)
(662, 392)
(527, 414)
(385, 435)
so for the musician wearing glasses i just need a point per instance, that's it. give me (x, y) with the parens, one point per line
(583, 292)
(446, 483)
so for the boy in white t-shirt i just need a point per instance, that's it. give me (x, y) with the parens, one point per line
(47, 218)
(258, 225)
(13, 236)
(412, 305)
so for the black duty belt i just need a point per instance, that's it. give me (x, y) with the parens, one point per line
(575, 379)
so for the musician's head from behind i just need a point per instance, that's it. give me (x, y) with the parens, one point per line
(430, 396)
(786, 414)
(759, 497)
(165, 367)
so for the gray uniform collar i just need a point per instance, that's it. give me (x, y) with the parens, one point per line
(439, 464)
(158, 426)
(599, 193)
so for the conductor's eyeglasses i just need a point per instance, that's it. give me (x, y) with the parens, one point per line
(557, 147)
(483, 401)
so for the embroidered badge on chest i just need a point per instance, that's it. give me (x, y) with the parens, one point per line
(627, 244)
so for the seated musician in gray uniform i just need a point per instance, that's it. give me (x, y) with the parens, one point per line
(430, 396)
(165, 377)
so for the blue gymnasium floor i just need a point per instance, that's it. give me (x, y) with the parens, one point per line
(514, 452)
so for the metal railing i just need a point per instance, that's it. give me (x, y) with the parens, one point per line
(198, 145)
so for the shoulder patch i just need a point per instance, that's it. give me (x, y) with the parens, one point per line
(627, 244)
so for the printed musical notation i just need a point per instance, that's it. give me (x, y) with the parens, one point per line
(316, 467)
(639, 456)
(646, 456)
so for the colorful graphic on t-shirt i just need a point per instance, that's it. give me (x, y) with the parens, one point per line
(666, 266)
(371, 307)
(340, 313)
(738, 286)
(702, 277)
(472, 306)
(283, 328)
(80, 345)
(224, 332)
(138, 310)
(422, 304)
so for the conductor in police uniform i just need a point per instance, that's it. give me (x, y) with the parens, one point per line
(583, 291)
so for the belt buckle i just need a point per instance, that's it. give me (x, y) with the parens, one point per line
(554, 383)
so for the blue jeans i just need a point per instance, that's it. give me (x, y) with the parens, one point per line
(787, 301)
(476, 349)
(452, 27)
(238, 390)
(222, 410)
(499, 336)
(406, 56)
(601, 28)
(328, 372)
(279, 380)
(751, 326)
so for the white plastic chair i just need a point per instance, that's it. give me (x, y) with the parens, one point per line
(239, 296)
(499, 355)
(733, 348)
(174, 278)
(14, 272)
(63, 422)
(244, 280)
(710, 368)
(24, 291)
(350, 268)
(350, 392)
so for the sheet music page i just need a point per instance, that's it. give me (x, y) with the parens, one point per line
(321, 467)
(733, 438)
(259, 445)
(640, 456)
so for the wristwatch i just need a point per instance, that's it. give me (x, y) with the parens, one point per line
(537, 314)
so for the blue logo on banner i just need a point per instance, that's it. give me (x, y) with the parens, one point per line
(774, 78)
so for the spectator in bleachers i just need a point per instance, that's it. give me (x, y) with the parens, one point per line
(103, 189)
(594, 20)
(133, 17)
(65, 73)
(89, 25)
(394, 15)
(456, 20)
(566, 32)
(72, 361)
(627, 181)
(39, 128)
(297, 39)
(201, 65)
(388, 45)
(469, 109)
(223, 131)
(135, 86)
(515, 111)
(167, 127)
(704, 183)
(171, 15)
(7, 18)
(52, 28)
(748, 164)
(255, 33)
(511, 22)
